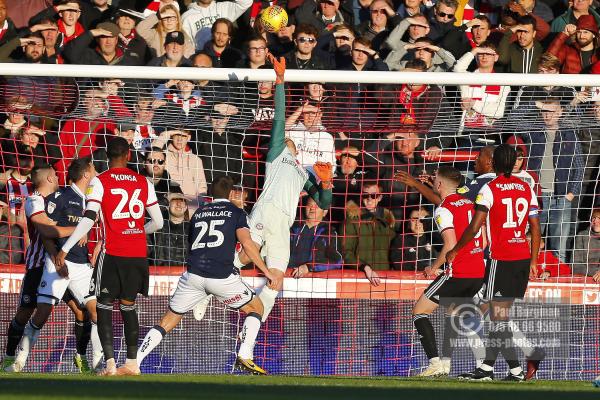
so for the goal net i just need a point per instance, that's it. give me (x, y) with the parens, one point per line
(187, 126)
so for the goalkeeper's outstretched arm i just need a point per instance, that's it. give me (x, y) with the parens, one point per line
(277, 142)
(320, 193)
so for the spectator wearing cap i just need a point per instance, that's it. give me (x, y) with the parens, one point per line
(129, 40)
(223, 54)
(460, 41)
(347, 182)
(106, 52)
(183, 166)
(482, 105)
(200, 16)
(555, 156)
(322, 14)
(435, 58)
(305, 55)
(169, 245)
(520, 56)
(156, 172)
(156, 27)
(7, 26)
(441, 19)
(573, 14)
(417, 27)
(579, 53)
(33, 49)
(174, 52)
(382, 20)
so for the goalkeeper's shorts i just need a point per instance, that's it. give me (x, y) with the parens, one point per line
(270, 229)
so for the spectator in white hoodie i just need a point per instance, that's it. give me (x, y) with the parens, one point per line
(201, 15)
(183, 166)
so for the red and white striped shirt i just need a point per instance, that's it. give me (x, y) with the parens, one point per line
(35, 254)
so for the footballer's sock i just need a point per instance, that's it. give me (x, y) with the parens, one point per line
(426, 334)
(249, 334)
(105, 328)
(267, 296)
(499, 333)
(473, 330)
(451, 324)
(152, 339)
(96, 346)
(30, 336)
(14, 334)
(83, 331)
(521, 341)
(508, 349)
(131, 326)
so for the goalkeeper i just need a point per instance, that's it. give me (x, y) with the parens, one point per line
(275, 210)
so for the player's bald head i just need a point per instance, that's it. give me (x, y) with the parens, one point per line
(117, 148)
(221, 187)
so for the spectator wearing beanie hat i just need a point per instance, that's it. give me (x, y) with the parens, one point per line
(578, 55)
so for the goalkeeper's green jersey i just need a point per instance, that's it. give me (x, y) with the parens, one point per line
(285, 178)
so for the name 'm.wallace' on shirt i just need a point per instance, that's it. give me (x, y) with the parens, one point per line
(212, 237)
(123, 196)
(509, 202)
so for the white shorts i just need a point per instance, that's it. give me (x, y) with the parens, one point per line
(192, 289)
(270, 229)
(53, 286)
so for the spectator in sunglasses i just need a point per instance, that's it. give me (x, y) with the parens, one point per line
(305, 55)
(156, 172)
(323, 14)
(382, 20)
(441, 19)
(368, 232)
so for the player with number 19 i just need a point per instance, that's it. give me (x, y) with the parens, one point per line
(215, 229)
(509, 205)
(121, 197)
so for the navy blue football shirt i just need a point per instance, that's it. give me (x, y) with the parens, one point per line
(212, 238)
(66, 207)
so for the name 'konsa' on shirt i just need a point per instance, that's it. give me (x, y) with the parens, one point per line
(212, 238)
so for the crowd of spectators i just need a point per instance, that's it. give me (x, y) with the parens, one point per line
(183, 134)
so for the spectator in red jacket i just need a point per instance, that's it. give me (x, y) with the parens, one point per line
(549, 266)
(578, 54)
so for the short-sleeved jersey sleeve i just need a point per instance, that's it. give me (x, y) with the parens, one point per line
(443, 219)
(53, 206)
(485, 197)
(242, 221)
(152, 199)
(533, 205)
(34, 205)
(95, 191)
